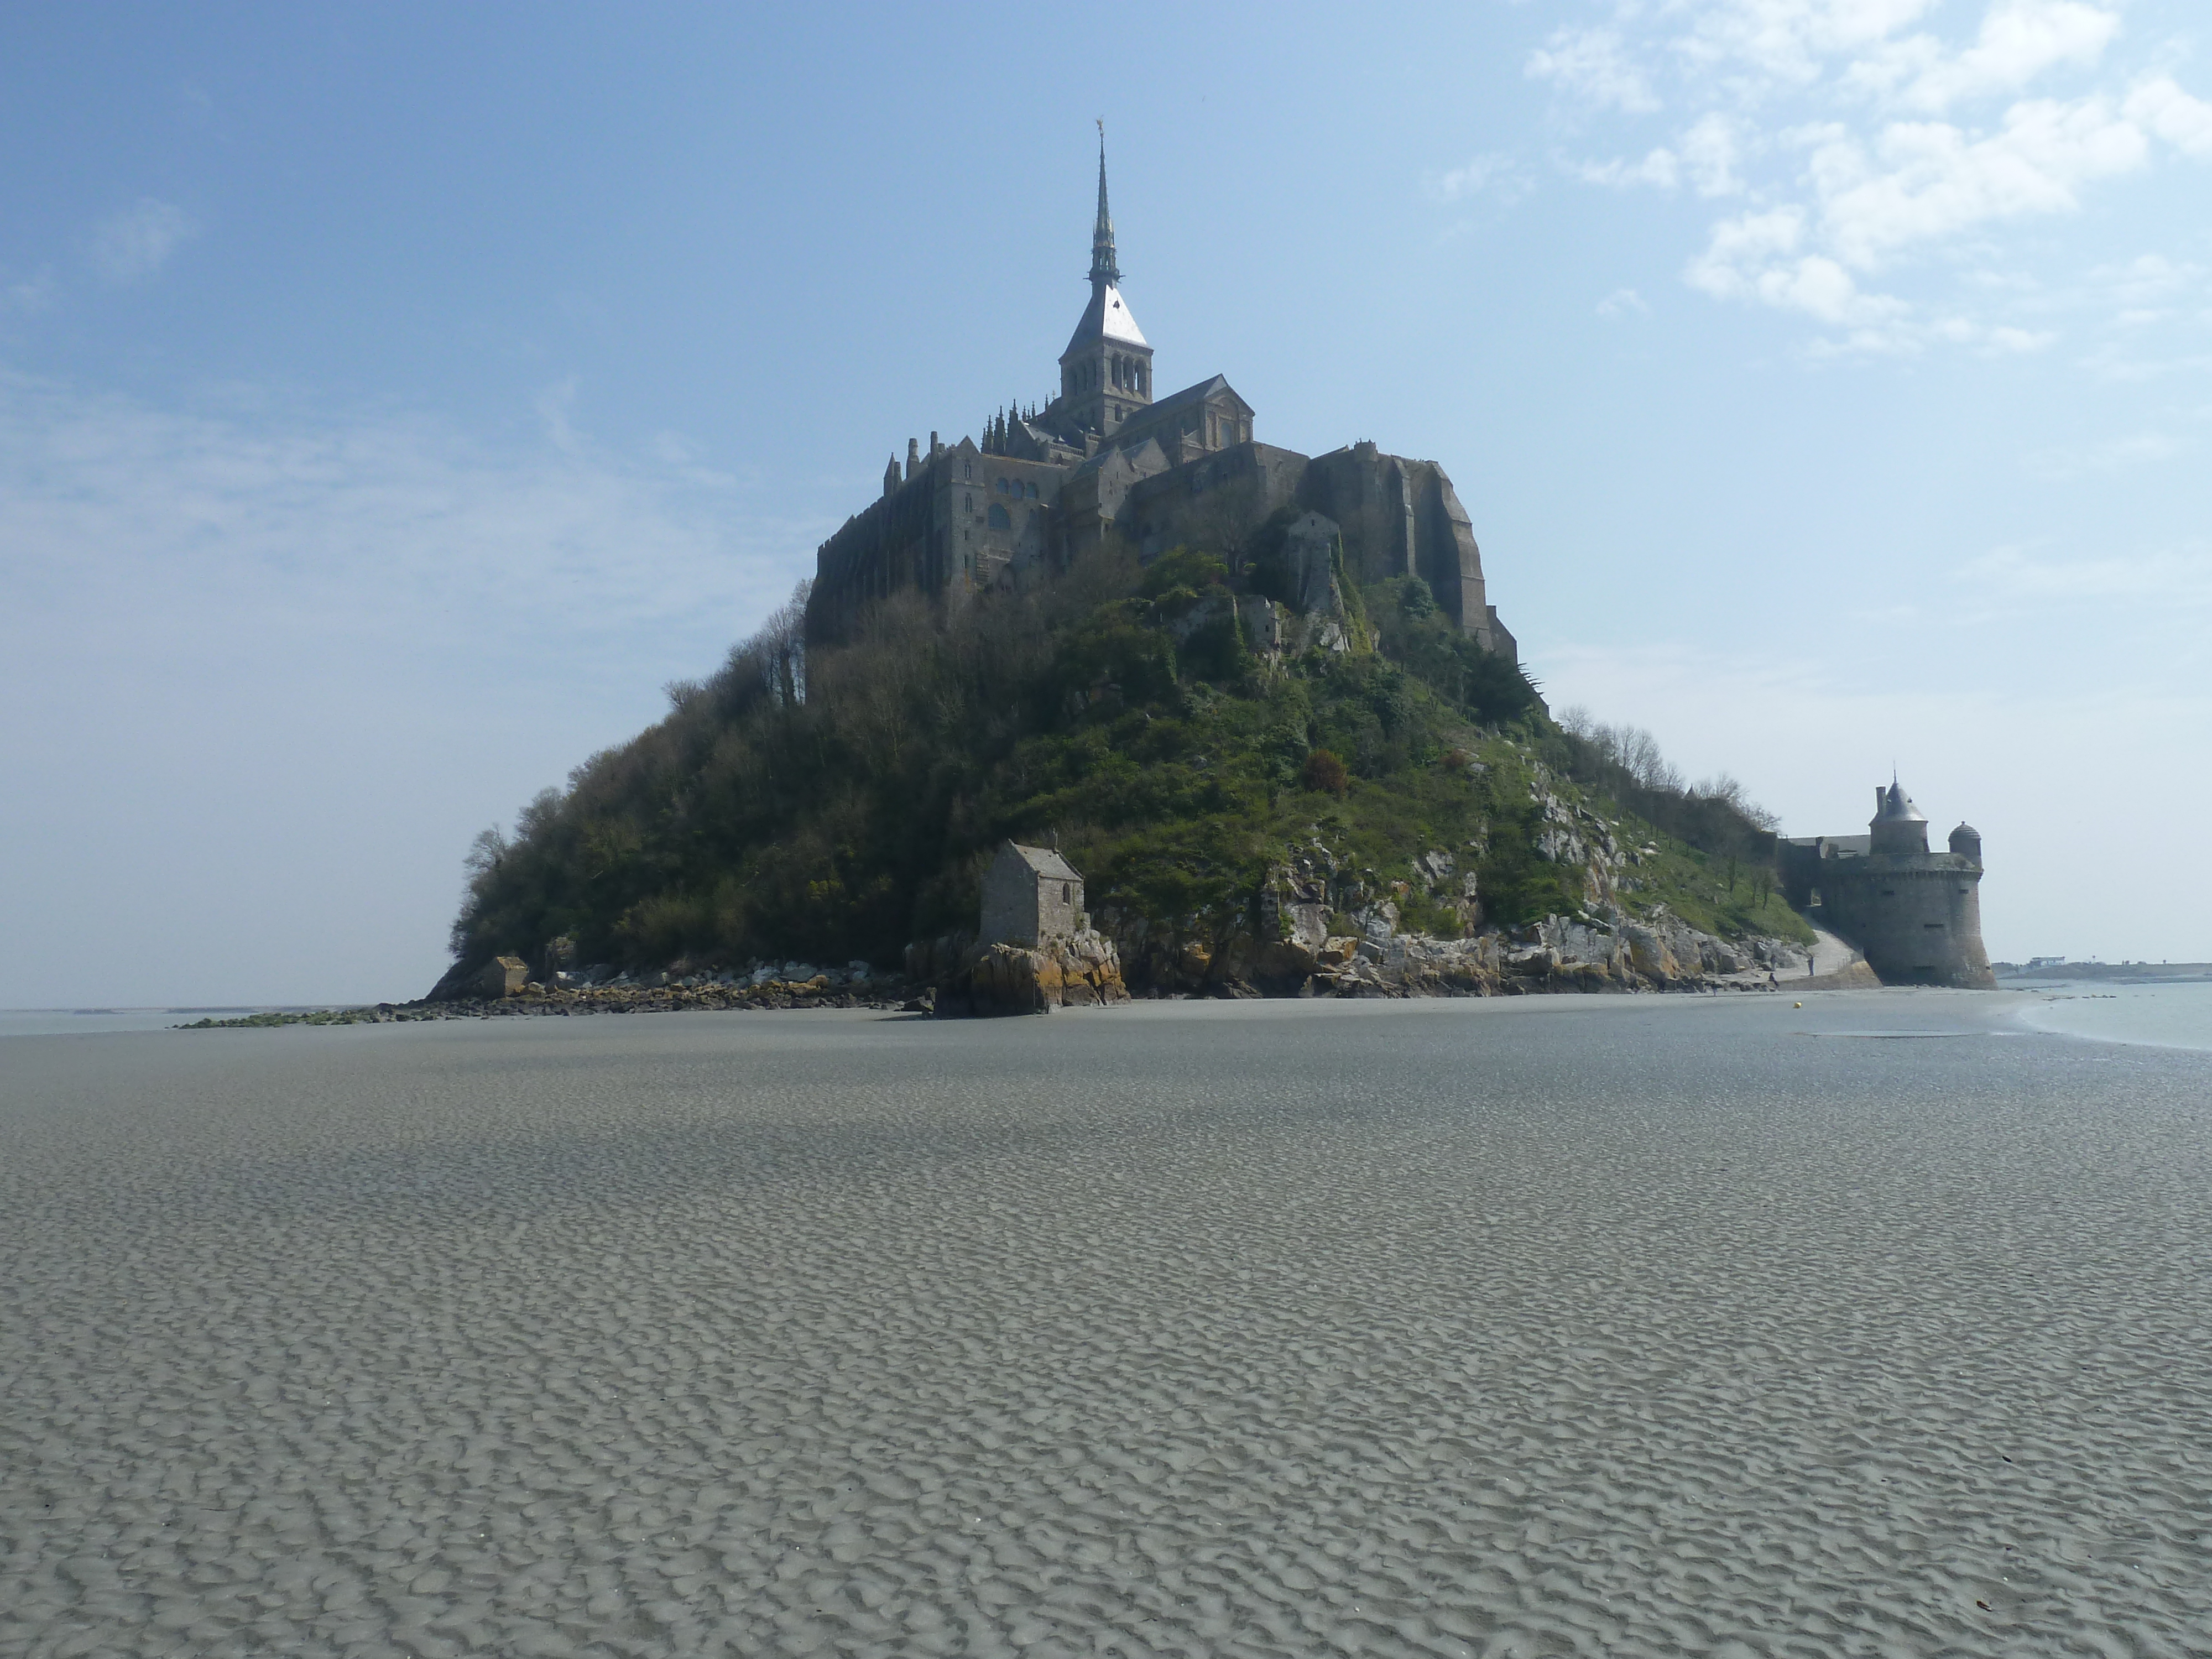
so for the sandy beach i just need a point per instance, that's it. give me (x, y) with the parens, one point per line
(1550, 1326)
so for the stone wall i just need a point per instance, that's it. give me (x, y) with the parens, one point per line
(952, 531)
(1918, 917)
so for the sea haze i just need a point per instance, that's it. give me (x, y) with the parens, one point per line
(1640, 1325)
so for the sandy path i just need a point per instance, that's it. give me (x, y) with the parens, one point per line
(1633, 1325)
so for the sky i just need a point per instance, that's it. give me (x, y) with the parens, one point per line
(394, 399)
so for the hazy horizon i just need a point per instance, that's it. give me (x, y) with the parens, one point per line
(393, 400)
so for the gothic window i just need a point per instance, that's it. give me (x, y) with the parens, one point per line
(971, 503)
(968, 470)
(1000, 518)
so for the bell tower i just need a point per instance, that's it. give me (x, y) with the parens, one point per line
(1106, 373)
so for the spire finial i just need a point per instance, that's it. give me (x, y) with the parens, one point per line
(1103, 270)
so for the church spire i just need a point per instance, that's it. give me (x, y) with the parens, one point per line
(1104, 272)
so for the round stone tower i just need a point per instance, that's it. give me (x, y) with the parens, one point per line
(1917, 914)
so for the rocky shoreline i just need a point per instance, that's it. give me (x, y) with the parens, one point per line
(954, 975)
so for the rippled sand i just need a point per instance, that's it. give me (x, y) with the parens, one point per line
(1629, 1326)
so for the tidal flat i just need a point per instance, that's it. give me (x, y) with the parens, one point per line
(1631, 1325)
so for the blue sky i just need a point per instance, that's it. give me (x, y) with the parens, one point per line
(394, 398)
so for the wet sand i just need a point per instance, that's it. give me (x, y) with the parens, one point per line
(1552, 1326)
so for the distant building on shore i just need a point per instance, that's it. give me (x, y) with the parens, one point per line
(1915, 914)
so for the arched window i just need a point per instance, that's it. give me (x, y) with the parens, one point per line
(1002, 486)
(1000, 518)
(1066, 892)
(971, 502)
(1032, 492)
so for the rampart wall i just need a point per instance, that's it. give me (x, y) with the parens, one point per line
(1918, 917)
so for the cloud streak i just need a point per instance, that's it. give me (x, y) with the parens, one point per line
(132, 245)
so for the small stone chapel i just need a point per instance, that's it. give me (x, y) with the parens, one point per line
(1030, 895)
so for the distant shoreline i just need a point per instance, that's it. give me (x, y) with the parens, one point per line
(2117, 973)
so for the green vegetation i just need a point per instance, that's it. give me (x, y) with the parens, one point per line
(839, 803)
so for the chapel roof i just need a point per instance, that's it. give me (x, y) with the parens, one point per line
(1047, 862)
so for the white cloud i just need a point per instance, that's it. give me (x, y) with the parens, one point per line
(1593, 64)
(1710, 152)
(2183, 121)
(2006, 340)
(2019, 41)
(1760, 256)
(1924, 182)
(1784, 42)
(132, 245)
(1622, 303)
(2146, 278)
(2179, 577)
(1707, 155)
(1832, 121)
(22, 293)
(1494, 173)
(1660, 169)
(2137, 449)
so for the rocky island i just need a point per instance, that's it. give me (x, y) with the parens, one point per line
(1260, 701)
(1249, 715)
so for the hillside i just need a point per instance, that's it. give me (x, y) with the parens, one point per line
(839, 804)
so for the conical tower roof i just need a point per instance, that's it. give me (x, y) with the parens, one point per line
(1897, 806)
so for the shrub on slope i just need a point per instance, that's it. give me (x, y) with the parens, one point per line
(839, 803)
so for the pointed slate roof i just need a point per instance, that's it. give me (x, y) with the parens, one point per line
(1106, 316)
(1897, 806)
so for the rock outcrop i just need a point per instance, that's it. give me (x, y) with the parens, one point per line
(1083, 971)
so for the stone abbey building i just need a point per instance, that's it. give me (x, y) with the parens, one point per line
(1107, 457)
(1915, 914)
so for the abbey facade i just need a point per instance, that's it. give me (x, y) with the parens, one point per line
(1106, 456)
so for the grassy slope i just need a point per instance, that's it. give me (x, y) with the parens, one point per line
(747, 824)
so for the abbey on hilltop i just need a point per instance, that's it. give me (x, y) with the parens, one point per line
(1107, 458)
